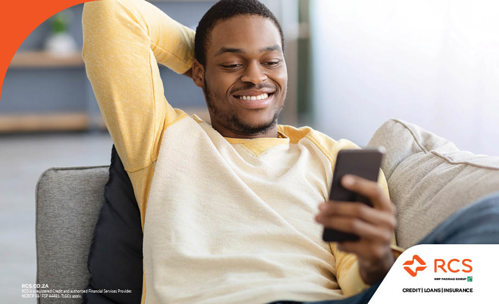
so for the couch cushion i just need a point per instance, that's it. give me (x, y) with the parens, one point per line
(68, 201)
(429, 178)
(115, 258)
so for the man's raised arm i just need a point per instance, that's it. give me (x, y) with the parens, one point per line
(123, 41)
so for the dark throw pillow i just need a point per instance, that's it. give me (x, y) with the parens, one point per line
(115, 257)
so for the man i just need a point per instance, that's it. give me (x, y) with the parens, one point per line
(228, 208)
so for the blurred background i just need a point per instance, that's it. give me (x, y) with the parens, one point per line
(352, 65)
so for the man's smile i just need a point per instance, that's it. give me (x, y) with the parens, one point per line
(259, 97)
(255, 99)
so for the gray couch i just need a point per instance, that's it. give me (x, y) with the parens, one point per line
(68, 201)
(429, 178)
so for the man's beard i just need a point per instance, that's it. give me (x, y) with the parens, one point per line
(233, 120)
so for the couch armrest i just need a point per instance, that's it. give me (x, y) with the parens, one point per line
(429, 178)
(68, 201)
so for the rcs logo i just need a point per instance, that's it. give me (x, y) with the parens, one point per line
(438, 265)
(414, 272)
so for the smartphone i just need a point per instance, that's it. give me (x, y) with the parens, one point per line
(364, 163)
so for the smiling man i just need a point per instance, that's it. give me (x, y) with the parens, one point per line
(245, 80)
(228, 207)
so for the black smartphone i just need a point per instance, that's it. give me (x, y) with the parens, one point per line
(364, 163)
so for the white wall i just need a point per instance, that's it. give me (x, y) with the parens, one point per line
(431, 62)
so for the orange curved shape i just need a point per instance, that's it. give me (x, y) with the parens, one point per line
(415, 257)
(18, 19)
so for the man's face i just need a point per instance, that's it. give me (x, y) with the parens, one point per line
(245, 78)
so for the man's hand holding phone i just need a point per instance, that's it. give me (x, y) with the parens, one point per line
(363, 226)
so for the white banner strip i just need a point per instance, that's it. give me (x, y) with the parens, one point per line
(442, 274)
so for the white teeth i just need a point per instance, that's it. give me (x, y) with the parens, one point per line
(259, 97)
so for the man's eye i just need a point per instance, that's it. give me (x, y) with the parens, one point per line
(273, 63)
(231, 66)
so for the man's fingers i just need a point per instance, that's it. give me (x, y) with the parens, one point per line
(357, 210)
(369, 189)
(358, 227)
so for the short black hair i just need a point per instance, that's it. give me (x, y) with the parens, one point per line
(225, 9)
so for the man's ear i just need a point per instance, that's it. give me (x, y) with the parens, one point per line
(198, 74)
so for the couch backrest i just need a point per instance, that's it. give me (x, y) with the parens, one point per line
(68, 201)
(429, 178)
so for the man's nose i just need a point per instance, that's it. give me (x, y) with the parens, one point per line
(254, 73)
